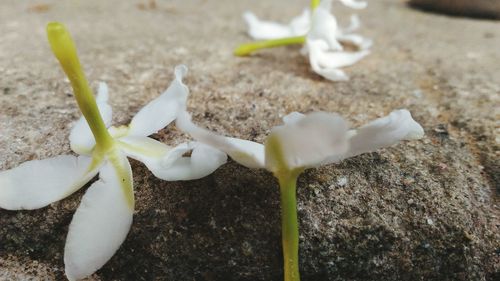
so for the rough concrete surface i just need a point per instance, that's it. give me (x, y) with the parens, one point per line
(422, 210)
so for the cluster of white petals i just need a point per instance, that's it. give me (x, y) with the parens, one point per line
(103, 219)
(324, 37)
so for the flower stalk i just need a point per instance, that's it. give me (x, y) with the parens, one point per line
(314, 4)
(64, 49)
(248, 48)
(289, 227)
(287, 178)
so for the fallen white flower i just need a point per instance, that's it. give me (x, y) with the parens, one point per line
(305, 141)
(301, 25)
(310, 140)
(104, 216)
(322, 41)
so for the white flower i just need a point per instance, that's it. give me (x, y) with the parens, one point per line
(310, 140)
(323, 37)
(305, 141)
(301, 24)
(326, 54)
(104, 216)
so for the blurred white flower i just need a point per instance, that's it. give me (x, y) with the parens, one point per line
(322, 38)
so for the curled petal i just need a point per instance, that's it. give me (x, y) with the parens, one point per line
(203, 161)
(35, 184)
(81, 138)
(359, 41)
(247, 153)
(306, 143)
(144, 149)
(327, 59)
(266, 30)
(161, 111)
(170, 163)
(354, 4)
(384, 132)
(326, 63)
(101, 222)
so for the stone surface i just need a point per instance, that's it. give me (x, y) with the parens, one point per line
(476, 8)
(423, 210)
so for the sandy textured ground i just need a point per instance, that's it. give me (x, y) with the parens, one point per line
(425, 210)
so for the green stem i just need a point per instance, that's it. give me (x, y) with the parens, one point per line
(248, 48)
(314, 4)
(64, 50)
(289, 226)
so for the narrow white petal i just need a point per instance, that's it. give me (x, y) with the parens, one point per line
(354, 4)
(384, 132)
(81, 138)
(35, 184)
(307, 142)
(265, 30)
(102, 93)
(101, 222)
(161, 111)
(324, 27)
(247, 153)
(203, 161)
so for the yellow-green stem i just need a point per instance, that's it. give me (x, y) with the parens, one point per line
(64, 50)
(248, 48)
(289, 226)
(314, 4)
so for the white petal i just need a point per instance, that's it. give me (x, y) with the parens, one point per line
(147, 150)
(327, 63)
(384, 132)
(161, 111)
(359, 41)
(247, 153)
(332, 74)
(203, 161)
(101, 222)
(102, 93)
(354, 24)
(306, 143)
(35, 184)
(324, 26)
(81, 138)
(293, 117)
(354, 4)
(300, 24)
(327, 59)
(267, 30)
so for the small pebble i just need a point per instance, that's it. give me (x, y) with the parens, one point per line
(342, 181)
